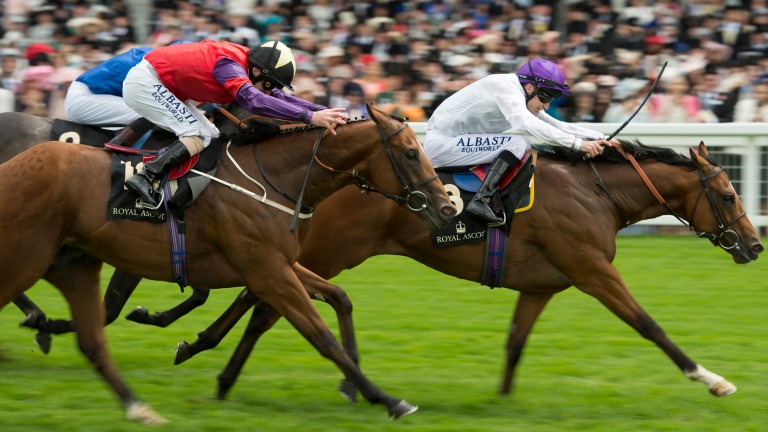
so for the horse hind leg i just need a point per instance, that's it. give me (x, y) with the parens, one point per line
(165, 318)
(88, 315)
(527, 311)
(211, 336)
(35, 318)
(262, 319)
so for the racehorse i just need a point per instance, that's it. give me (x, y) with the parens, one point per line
(566, 239)
(232, 240)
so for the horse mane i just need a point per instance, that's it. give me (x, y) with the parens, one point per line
(635, 148)
(258, 130)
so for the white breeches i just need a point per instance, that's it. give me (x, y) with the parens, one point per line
(470, 149)
(84, 107)
(143, 91)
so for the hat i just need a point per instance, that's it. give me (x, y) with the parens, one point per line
(584, 87)
(628, 87)
(607, 81)
(353, 89)
(331, 51)
(36, 49)
(78, 24)
(65, 75)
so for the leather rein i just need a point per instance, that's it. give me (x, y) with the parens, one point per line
(726, 238)
(415, 199)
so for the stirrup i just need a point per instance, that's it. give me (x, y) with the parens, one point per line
(140, 203)
(503, 221)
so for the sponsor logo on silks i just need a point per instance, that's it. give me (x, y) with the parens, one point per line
(174, 106)
(482, 143)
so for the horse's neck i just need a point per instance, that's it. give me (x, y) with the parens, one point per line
(636, 198)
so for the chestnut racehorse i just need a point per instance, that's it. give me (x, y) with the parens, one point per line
(566, 239)
(235, 236)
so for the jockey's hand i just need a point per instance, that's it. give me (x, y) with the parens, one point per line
(593, 148)
(328, 117)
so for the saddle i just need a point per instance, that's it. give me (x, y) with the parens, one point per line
(185, 186)
(515, 195)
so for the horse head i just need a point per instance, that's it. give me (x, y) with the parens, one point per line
(721, 218)
(410, 179)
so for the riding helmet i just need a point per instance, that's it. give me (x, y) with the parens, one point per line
(543, 73)
(276, 62)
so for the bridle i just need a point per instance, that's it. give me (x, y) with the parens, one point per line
(415, 199)
(726, 238)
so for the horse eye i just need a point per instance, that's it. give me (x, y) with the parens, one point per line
(729, 198)
(412, 155)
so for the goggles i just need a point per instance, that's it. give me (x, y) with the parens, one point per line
(546, 95)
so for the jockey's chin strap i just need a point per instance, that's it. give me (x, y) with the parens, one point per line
(727, 238)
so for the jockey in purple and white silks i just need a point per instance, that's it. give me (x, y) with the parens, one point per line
(468, 127)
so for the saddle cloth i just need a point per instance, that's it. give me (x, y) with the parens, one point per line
(516, 196)
(186, 186)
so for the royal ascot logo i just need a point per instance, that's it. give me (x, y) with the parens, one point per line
(461, 228)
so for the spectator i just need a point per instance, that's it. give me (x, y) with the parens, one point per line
(354, 97)
(9, 71)
(720, 102)
(627, 95)
(755, 107)
(584, 98)
(676, 105)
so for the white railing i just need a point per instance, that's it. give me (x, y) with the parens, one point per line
(740, 148)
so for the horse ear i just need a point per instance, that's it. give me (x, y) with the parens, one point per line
(703, 149)
(697, 159)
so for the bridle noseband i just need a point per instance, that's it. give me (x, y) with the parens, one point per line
(415, 199)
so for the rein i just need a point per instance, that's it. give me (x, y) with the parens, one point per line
(415, 200)
(726, 233)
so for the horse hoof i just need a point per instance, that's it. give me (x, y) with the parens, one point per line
(402, 409)
(348, 391)
(144, 414)
(33, 321)
(182, 353)
(139, 315)
(43, 341)
(723, 388)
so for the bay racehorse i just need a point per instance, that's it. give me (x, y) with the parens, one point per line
(233, 240)
(566, 239)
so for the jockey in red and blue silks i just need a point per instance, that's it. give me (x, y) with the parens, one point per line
(167, 84)
(96, 96)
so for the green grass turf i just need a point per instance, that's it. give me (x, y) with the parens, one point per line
(436, 341)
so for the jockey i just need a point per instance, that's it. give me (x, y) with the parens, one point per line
(466, 129)
(96, 97)
(165, 86)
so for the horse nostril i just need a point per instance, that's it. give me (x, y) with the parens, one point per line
(449, 211)
(757, 247)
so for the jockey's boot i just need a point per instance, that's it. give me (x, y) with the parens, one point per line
(480, 205)
(132, 132)
(142, 183)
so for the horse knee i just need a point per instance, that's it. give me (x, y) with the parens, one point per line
(336, 297)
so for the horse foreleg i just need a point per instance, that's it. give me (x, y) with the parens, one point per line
(165, 318)
(211, 336)
(613, 293)
(289, 298)
(527, 311)
(262, 319)
(320, 289)
(88, 315)
(35, 318)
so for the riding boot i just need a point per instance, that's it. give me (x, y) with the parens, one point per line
(132, 132)
(142, 183)
(480, 205)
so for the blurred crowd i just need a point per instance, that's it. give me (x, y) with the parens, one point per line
(408, 56)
